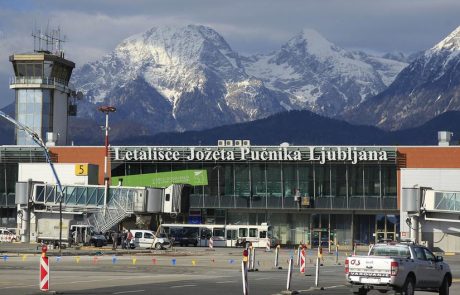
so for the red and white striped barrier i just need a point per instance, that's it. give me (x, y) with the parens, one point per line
(44, 274)
(302, 260)
(211, 243)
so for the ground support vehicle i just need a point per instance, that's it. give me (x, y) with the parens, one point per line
(7, 235)
(148, 239)
(402, 267)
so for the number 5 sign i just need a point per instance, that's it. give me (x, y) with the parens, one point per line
(81, 169)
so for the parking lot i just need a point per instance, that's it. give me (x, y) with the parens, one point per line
(184, 270)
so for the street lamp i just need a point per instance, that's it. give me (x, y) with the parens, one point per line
(106, 110)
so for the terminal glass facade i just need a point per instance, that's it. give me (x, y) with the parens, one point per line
(340, 201)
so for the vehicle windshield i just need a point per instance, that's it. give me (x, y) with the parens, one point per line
(391, 250)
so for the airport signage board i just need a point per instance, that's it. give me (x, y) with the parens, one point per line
(164, 179)
(321, 155)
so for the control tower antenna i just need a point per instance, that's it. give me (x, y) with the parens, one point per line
(49, 41)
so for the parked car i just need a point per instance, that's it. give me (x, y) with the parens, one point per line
(98, 240)
(148, 239)
(7, 235)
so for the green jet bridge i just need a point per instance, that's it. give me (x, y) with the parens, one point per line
(122, 202)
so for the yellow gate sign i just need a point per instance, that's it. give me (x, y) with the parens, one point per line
(81, 169)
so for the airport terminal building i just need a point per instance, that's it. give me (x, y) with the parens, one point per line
(305, 193)
(348, 194)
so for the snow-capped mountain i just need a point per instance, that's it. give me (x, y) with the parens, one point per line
(321, 76)
(429, 86)
(176, 78)
(188, 78)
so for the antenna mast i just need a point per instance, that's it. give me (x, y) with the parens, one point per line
(49, 42)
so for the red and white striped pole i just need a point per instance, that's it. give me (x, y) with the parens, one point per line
(297, 261)
(268, 246)
(302, 260)
(211, 243)
(44, 270)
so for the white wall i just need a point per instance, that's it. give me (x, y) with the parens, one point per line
(440, 235)
(65, 172)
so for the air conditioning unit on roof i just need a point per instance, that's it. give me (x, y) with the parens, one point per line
(246, 142)
(229, 142)
(238, 142)
(221, 142)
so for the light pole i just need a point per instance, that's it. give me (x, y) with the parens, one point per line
(36, 138)
(106, 110)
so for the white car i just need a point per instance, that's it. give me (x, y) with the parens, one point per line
(147, 239)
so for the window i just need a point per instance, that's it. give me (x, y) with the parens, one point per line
(419, 253)
(206, 233)
(243, 232)
(138, 235)
(218, 232)
(429, 256)
(168, 197)
(231, 234)
(148, 236)
(253, 232)
(262, 234)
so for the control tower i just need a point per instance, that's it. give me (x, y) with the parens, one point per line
(44, 99)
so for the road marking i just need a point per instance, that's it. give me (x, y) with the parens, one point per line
(183, 286)
(225, 282)
(259, 279)
(332, 287)
(456, 280)
(124, 292)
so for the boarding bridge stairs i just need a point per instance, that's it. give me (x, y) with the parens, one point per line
(119, 207)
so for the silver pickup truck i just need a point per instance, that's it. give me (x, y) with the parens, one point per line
(402, 267)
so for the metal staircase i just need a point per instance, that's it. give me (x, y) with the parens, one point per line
(119, 207)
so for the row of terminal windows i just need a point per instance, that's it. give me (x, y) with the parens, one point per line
(348, 184)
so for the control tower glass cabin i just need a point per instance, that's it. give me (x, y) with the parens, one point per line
(43, 95)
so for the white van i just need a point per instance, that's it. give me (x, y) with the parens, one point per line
(7, 235)
(147, 239)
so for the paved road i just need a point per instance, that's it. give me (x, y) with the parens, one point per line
(188, 271)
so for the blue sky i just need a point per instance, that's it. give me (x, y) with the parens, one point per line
(93, 28)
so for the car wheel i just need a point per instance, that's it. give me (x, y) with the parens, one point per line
(444, 290)
(158, 246)
(408, 288)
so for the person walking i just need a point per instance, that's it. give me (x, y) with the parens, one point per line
(114, 240)
(129, 237)
(124, 237)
